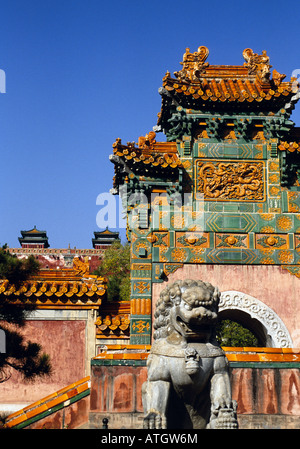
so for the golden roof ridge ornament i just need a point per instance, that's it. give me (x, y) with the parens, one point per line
(81, 267)
(193, 64)
(257, 64)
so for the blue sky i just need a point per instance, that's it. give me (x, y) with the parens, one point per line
(80, 73)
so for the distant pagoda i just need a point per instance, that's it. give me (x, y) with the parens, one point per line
(104, 239)
(34, 239)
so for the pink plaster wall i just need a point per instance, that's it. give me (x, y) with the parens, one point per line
(117, 389)
(64, 341)
(267, 398)
(272, 285)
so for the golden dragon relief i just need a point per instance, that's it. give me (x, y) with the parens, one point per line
(230, 181)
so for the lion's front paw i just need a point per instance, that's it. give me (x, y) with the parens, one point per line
(155, 420)
(223, 416)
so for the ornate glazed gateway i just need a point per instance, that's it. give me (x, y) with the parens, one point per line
(222, 190)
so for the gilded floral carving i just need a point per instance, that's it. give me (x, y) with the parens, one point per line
(141, 326)
(273, 166)
(267, 229)
(267, 217)
(285, 257)
(179, 255)
(284, 223)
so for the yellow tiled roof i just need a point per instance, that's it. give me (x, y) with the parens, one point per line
(57, 288)
(113, 320)
(228, 89)
(293, 144)
(250, 82)
(163, 154)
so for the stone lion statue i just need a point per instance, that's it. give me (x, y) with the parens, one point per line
(188, 384)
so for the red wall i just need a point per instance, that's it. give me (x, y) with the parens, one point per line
(267, 397)
(64, 341)
(266, 391)
(117, 389)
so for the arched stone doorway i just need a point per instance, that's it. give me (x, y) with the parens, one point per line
(257, 317)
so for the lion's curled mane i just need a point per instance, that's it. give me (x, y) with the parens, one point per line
(188, 291)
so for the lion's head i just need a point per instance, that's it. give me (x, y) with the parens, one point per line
(190, 308)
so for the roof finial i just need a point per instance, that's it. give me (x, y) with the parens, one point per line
(257, 64)
(193, 64)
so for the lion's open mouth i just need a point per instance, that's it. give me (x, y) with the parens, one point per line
(193, 330)
(188, 329)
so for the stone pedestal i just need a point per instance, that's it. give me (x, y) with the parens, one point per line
(265, 382)
(116, 386)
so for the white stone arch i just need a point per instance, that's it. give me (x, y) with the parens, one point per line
(273, 325)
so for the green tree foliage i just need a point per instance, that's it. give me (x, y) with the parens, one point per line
(23, 356)
(15, 270)
(231, 333)
(115, 266)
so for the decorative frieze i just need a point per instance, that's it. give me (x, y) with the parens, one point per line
(230, 181)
